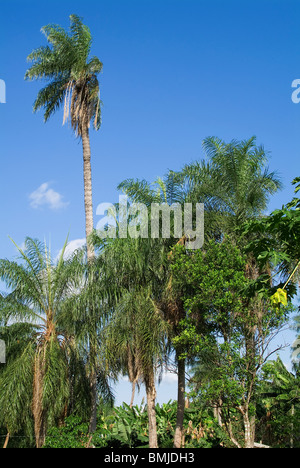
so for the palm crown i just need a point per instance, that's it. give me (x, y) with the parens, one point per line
(71, 75)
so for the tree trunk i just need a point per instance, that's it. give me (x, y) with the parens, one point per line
(231, 435)
(37, 406)
(133, 387)
(292, 427)
(248, 425)
(93, 416)
(6, 441)
(89, 226)
(180, 402)
(88, 199)
(151, 397)
(218, 412)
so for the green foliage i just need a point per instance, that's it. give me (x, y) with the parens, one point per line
(211, 283)
(125, 427)
(225, 327)
(128, 427)
(279, 392)
(275, 242)
(73, 434)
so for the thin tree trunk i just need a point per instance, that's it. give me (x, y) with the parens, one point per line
(88, 199)
(248, 425)
(151, 397)
(232, 438)
(93, 416)
(37, 407)
(133, 387)
(218, 412)
(292, 427)
(132, 374)
(89, 226)
(253, 429)
(180, 402)
(93, 381)
(6, 441)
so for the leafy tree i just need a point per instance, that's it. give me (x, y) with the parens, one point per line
(275, 243)
(220, 313)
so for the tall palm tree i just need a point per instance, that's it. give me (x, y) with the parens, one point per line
(135, 338)
(71, 73)
(39, 376)
(164, 191)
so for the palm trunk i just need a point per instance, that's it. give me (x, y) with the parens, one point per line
(93, 416)
(89, 226)
(151, 397)
(93, 380)
(6, 441)
(37, 407)
(180, 402)
(88, 199)
(133, 387)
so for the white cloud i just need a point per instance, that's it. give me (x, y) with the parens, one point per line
(72, 246)
(46, 196)
(169, 378)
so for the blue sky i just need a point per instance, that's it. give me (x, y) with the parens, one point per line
(175, 72)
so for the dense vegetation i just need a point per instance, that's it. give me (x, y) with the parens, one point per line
(133, 305)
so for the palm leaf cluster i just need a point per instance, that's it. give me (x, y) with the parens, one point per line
(71, 75)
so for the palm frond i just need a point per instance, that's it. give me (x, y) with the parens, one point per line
(71, 75)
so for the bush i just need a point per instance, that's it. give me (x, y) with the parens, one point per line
(124, 427)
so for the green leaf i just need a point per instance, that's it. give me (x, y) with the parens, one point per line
(280, 297)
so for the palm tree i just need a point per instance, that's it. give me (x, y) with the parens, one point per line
(136, 333)
(38, 378)
(72, 82)
(135, 337)
(280, 391)
(164, 191)
(87, 312)
(233, 181)
(16, 415)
